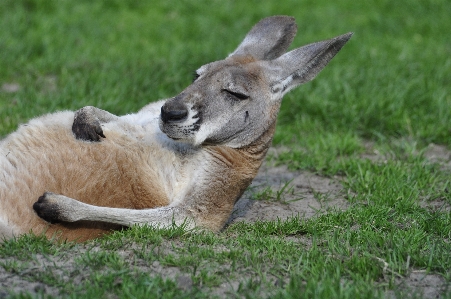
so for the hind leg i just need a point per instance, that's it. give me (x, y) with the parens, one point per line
(58, 208)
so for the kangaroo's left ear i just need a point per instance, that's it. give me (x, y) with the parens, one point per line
(269, 38)
(303, 64)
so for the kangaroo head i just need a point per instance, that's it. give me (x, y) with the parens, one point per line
(235, 100)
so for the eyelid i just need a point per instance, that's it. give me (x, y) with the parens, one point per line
(237, 95)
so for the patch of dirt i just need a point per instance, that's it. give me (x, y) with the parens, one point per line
(302, 194)
(24, 278)
(10, 87)
(435, 205)
(439, 154)
(419, 283)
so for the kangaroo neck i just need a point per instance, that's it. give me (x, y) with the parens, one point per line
(258, 148)
(250, 156)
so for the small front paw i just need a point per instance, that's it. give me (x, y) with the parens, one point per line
(47, 208)
(86, 126)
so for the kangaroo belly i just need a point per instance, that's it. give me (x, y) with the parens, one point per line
(45, 156)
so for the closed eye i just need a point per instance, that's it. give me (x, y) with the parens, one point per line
(237, 95)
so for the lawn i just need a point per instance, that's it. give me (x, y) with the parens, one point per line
(377, 120)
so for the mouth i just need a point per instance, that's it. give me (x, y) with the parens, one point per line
(179, 130)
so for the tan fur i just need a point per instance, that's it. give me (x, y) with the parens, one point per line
(112, 174)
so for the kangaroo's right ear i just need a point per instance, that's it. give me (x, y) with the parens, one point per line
(269, 38)
(303, 64)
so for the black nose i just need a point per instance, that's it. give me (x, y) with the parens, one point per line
(173, 111)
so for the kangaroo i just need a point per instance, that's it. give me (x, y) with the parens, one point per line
(185, 160)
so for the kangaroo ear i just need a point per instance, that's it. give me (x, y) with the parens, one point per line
(303, 64)
(269, 38)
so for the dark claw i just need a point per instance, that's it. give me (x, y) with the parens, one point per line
(100, 132)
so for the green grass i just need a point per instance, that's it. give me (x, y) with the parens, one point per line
(387, 90)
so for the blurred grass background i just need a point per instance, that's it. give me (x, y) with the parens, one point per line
(391, 80)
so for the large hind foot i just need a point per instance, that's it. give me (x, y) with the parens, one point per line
(56, 208)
